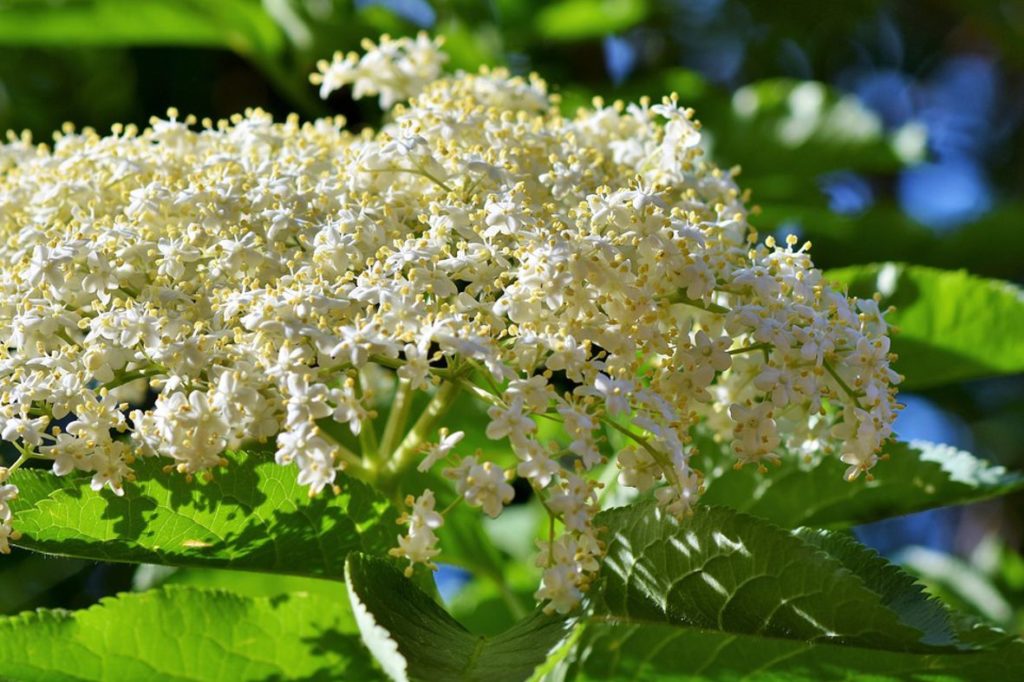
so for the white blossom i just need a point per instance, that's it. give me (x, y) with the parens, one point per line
(593, 280)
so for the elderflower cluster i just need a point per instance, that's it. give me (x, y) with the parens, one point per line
(593, 280)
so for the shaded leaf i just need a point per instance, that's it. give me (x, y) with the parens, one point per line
(414, 639)
(917, 476)
(727, 571)
(659, 651)
(725, 596)
(27, 579)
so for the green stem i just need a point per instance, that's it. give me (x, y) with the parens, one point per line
(842, 384)
(403, 455)
(367, 434)
(488, 379)
(480, 392)
(353, 465)
(129, 377)
(707, 307)
(399, 415)
(765, 347)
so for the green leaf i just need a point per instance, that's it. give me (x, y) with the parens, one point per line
(727, 571)
(660, 652)
(240, 25)
(953, 326)
(583, 19)
(27, 580)
(726, 596)
(414, 639)
(253, 515)
(897, 589)
(917, 476)
(184, 633)
(244, 583)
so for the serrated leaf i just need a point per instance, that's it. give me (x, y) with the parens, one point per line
(960, 583)
(725, 596)
(253, 515)
(184, 633)
(414, 639)
(917, 476)
(660, 652)
(953, 326)
(726, 571)
(897, 590)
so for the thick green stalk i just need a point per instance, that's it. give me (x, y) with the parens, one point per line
(427, 423)
(397, 418)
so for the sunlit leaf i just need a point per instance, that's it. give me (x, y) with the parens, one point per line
(252, 515)
(952, 326)
(184, 633)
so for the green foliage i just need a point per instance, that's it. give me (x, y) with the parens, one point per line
(722, 570)
(616, 651)
(415, 639)
(183, 633)
(810, 128)
(34, 575)
(240, 25)
(720, 596)
(580, 19)
(916, 476)
(253, 515)
(724, 596)
(952, 326)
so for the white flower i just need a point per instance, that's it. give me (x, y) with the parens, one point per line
(28, 430)
(419, 544)
(435, 452)
(416, 369)
(756, 436)
(575, 502)
(616, 393)
(593, 279)
(509, 421)
(535, 463)
(559, 589)
(482, 485)
(7, 533)
(423, 513)
(638, 468)
(394, 69)
(7, 493)
(535, 392)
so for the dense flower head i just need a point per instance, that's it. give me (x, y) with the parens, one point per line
(267, 279)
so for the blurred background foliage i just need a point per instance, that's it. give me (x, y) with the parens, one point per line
(880, 130)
